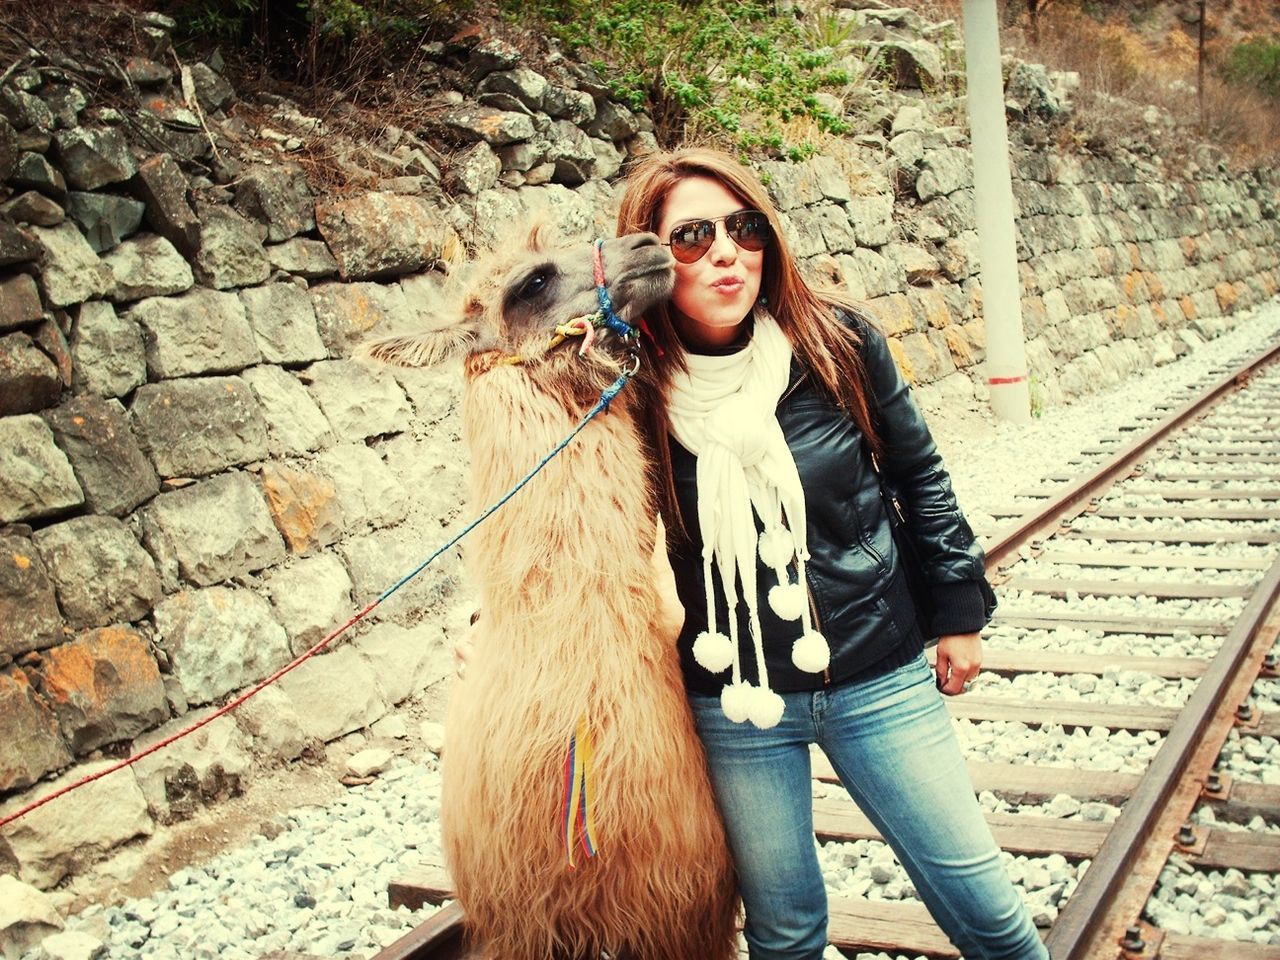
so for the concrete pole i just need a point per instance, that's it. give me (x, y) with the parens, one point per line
(997, 251)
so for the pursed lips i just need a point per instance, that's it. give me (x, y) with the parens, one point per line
(728, 284)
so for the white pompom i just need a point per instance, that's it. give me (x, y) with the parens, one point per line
(736, 424)
(811, 653)
(765, 707)
(787, 600)
(735, 700)
(713, 651)
(777, 547)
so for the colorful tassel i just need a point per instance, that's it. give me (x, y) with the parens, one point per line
(578, 817)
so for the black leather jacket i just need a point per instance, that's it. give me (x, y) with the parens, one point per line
(857, 587)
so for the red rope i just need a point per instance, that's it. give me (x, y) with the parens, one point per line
(602, 404)
(222, 711)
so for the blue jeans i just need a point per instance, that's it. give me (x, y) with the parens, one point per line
(890, 740)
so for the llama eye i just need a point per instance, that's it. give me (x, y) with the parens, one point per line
(535, 285)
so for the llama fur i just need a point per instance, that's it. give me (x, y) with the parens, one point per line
(571, 625)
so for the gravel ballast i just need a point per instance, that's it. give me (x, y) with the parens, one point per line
(316, 881)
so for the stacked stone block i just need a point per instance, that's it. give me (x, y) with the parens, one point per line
(198, 480)
(194, 483)
(1120, 267)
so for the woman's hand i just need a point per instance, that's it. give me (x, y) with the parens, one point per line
(670, 610)
(464, 647)
(959, 660)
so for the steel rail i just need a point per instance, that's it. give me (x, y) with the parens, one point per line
(1069, 501)
(440, 937)
(1082, 916)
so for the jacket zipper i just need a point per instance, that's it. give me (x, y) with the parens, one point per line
(793, 388)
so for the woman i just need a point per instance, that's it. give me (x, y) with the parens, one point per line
(770, 412)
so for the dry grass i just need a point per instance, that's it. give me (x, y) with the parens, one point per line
(1139, 55)
(1123, 74)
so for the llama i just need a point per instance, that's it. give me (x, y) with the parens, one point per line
(570, 642)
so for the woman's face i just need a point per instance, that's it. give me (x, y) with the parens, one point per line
(714, 294)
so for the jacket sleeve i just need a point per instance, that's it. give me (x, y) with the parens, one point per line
(913, 472)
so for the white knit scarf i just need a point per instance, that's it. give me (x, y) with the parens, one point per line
(724, 411)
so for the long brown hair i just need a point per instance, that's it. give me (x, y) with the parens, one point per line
(825, 346)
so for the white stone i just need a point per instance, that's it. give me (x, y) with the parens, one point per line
(217, 754)
(334, 694)
(368, 762)
(271, 723)
(73, 945)
(75, 830)
(432, 734)
(392, 728)
(26, 917)
(147, 266)
(311, 598)
(71, 272)
(404, 660)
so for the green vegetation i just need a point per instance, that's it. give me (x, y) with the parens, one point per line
(221, 20)
(737, 73)
(1255, 63)
(1036, 396)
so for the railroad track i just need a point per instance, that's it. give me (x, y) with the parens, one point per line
(1137, 620)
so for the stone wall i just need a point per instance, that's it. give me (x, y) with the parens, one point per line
(1121, 268)
(197, 481)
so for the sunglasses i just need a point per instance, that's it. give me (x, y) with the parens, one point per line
(749, 229)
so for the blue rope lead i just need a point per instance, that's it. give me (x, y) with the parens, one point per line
(618, 326)
(606, 397)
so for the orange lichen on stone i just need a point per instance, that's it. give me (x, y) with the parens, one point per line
(1188, 308)
(900, 358)
(1190, 250)
(21, 562)
(1106, 260)
(893, 313)
(1154, 287)
(933, 307)
(127, 652)
(102, 686)
(1157, 310)
(1227, 296)
(1118, 316)
(300, 505)
(959, 345)
(1132, 284)
(361, 312)
(93, 670)
(68, 674)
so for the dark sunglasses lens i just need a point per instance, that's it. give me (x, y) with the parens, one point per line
(690, 241)
(749, 230)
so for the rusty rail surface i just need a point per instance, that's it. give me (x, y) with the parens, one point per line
(1075, 497)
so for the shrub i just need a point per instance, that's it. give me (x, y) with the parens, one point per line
(1255, 63)
(737, 73)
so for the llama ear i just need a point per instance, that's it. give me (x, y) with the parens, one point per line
(423, 349)
(542, 234)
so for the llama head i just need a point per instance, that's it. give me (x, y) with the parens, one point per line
(509, 302)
